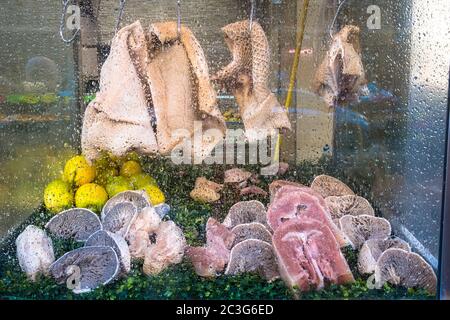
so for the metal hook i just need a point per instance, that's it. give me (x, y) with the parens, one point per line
(119, 17)
(178, 18)
(335, 17)
(252, 14)
(65, 5)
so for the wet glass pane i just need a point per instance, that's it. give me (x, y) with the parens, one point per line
(285, 150)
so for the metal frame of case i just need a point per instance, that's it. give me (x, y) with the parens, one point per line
(444, 267)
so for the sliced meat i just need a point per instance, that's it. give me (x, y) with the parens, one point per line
(277, 184)
(212, 258)
(253, 230)
(253, 191)
(298, 204)
(372, 249)
(358, 229)
(253, 256)
(167, 250)
(206, 261)
(348, 205)
(309, 255)
(245, 212)
(218, 233)
(329, 186)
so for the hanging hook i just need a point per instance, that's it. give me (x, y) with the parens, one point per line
(119, 17)
(252, 14)
(179, 18)
(335, 17)
(65, 5)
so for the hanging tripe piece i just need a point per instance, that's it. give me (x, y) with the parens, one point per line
(247, 78)
(341, 77)
(155, 94)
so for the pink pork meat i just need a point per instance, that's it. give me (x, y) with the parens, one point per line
(309, 256)
(213, 257)
(291, 202)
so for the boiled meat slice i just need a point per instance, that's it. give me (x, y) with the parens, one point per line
(117, 243)
(213, 257)
(144, 225)
(252, 230)
(205, 261)
(340, 206)
(34, 251)
(167, 250)
(245, 212)
(247, 78)
(217, 233)
(308, 255)
(407, 269)
(253, 256)
(96, 266)
(328, 186)
(76, 223)
(277, 184)
(118, 120)
(300, 203)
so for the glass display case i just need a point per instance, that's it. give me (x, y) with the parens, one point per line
(224, 149)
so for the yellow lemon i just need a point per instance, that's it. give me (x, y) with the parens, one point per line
(118, 184)
(141, 180)
(91, 196)
(58, 196)
(130, 168)
(78, 171)
(155, 194)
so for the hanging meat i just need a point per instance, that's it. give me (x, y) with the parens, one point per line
(154, 94)
(182, 94)
(341, 77)
(117, 120)
(247, 78)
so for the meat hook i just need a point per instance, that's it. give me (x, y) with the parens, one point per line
(252, 13)
(179, 18)
(335, 17)
(119, 17)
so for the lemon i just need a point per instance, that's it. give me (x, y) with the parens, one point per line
(130, 168)
(118, 184)
(155, 194)
(91, 196)
(58, 196)
(141, 180)
(78, 171)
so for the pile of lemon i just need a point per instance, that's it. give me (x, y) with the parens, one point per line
(90, 186)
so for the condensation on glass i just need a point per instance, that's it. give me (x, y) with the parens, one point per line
(393, 140)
